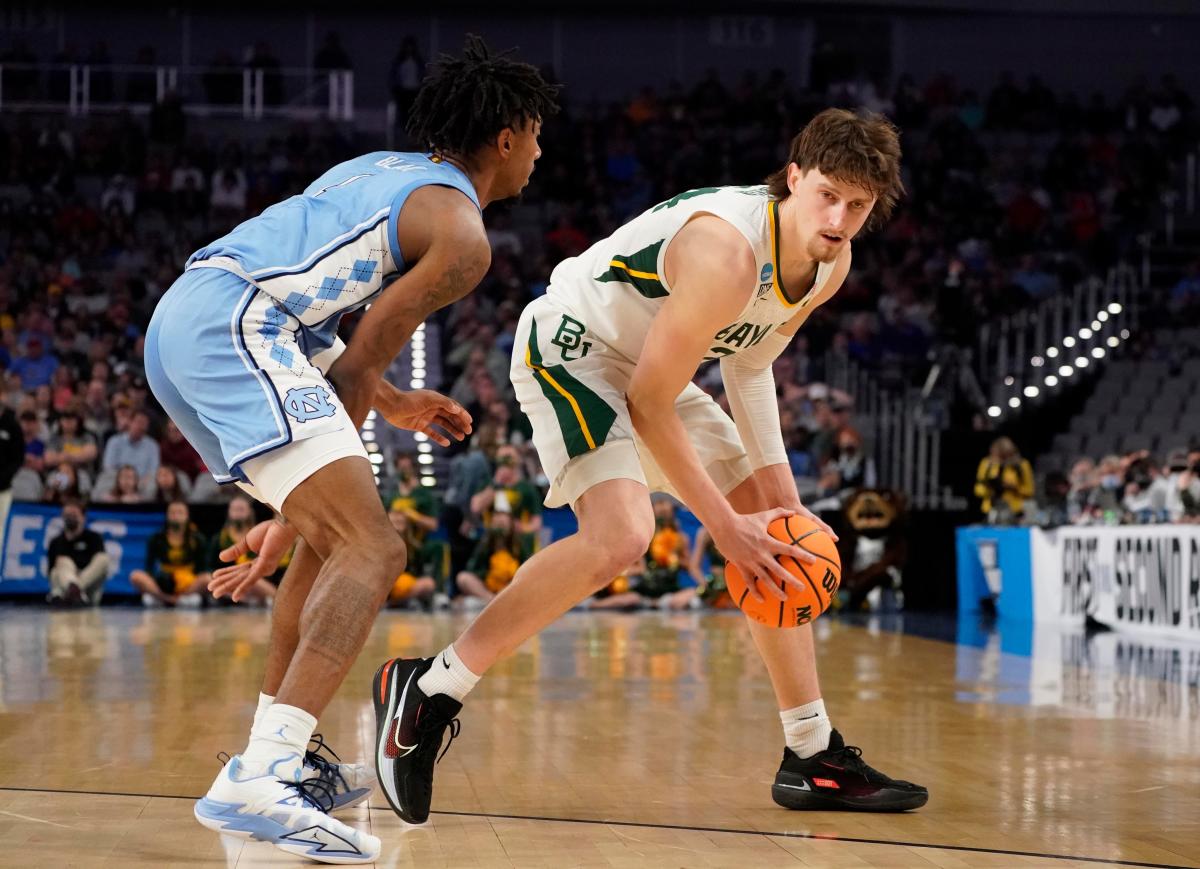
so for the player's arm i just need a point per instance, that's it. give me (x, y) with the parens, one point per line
(710, 268)
(440, 229)
(750, 388)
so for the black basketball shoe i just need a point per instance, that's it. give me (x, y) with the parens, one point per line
(409, 727)
(837, 779)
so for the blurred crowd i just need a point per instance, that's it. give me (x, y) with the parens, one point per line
(1117, 489)
(1013, 195)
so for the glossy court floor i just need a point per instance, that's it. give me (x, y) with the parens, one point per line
(619, 740)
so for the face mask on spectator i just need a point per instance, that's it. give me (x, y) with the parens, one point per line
(72, 523)
(1111, 481)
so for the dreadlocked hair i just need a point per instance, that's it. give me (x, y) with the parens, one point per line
(466, 101)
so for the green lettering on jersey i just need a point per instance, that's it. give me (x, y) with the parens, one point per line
(639, 269)
(690, 194)
(740, 334)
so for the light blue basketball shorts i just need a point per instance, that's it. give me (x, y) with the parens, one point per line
(226, 364)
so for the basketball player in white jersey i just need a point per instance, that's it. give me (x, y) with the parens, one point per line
(603, 365)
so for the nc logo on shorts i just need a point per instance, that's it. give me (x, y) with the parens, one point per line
(303, 403)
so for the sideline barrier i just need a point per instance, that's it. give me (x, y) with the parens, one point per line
(31, 528)
(1138, 577)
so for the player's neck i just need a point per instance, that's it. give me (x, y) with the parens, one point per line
(482, 178)
(796, 267)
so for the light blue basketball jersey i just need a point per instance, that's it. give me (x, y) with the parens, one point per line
(332, 248)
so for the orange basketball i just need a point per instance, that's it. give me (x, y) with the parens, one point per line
(820, 580)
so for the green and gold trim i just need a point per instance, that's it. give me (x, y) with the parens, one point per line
(638, 269)
(583, 416)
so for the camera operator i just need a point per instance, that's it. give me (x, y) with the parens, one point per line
(1003, 483)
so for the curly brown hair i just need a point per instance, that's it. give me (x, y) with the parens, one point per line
(856, 148)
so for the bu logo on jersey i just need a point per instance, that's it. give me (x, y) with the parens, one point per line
(303, 403)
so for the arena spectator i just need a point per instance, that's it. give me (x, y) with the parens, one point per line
(1083, 486)
(170, 484)
(404, 494)
(72, 443)
(175, 571)
(65, 483)
(12, 457)
(34, 435)
(35, 367)
(78, 562)
(417, 583)
(1003, 483)
(510, 493)
(496, 558)
(126, 488)
(177, 452)
(855, 469)
(133, 447)
(657, 580)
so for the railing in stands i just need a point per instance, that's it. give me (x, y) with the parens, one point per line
(251, 93)
(1029, 356)
(902, 431)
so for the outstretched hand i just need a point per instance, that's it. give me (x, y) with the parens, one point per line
(270, 541)
(420, 410)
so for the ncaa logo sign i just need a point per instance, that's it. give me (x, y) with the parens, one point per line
(303, 403)
(765, 274)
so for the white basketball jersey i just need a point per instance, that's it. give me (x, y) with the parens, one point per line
(617, 285)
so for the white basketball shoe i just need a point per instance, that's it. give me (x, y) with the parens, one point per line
(290, 815)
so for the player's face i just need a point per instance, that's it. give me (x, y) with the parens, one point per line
(520, 149)
(830, 211)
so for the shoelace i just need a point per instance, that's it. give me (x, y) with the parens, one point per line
(326, 769)
(431, 722)
(851, 757)
(315, 791)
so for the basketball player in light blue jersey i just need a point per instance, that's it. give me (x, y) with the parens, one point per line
(243, 354)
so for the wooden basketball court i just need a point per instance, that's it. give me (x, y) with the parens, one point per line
(613, 740)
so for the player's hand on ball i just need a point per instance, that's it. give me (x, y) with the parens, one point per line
(421, 410)
(820, 523)
(747, 543)
(270, 540)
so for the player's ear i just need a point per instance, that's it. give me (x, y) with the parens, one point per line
(504, 142)
(794, 176)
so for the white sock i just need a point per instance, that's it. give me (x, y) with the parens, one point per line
(264, 703)
(448, 675)
(282, 732)
(806, 728)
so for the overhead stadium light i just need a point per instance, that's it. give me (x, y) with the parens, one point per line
(1014, 402)
(1098, 352)
(1052, 352)
(1066, 371)
(994, 411)
(1114, 307)
(1068, 341)
(1031, 391)
(1051, 380)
